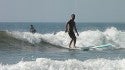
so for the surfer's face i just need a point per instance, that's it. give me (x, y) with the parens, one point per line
(73, 16)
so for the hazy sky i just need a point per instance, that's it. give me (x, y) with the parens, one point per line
(60, 10)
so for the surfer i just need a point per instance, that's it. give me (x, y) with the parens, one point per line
(70, 27)
(32, 29)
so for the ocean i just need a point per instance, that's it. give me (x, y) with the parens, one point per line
(47, 48)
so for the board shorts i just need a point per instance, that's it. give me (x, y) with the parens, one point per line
(72, 35)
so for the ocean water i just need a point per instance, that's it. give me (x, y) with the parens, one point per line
(46, 49)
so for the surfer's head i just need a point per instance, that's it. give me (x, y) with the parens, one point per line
(31, 25)
(73, 16)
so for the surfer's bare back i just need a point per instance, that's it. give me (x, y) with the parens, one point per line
(70, 27)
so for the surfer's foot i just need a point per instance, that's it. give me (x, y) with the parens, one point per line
(74, 46)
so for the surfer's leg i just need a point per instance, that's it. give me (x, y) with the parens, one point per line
(74, 43)
(70, 43)
(73, 37)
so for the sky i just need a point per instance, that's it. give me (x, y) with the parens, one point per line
(60, 10)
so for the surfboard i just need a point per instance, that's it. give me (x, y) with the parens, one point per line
(77, 48)
(80, 48)
(103, 46)
(91, 47)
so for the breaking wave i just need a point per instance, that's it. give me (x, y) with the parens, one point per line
(85, 38)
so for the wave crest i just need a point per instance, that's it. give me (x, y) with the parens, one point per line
(85, 38)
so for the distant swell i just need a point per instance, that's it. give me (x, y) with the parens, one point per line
(85, 38)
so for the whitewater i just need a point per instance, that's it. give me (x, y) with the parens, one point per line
(85, 38)
(48, 64)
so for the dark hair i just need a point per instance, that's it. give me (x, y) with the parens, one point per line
(73, 15)
(31, 25)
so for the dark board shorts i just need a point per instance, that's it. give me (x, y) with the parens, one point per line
(72, 35)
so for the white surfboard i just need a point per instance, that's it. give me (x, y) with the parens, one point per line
(103, 46)
(77, 48)
(90, 47)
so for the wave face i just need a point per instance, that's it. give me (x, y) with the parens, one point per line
(71, 64)
(85, 38)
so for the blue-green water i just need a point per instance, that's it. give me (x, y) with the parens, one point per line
(47, 27)
(46, 49)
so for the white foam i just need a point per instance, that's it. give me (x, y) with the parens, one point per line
(71, 64)
(85, 38)
(61, 38)
(115, 37)
(27, 36)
